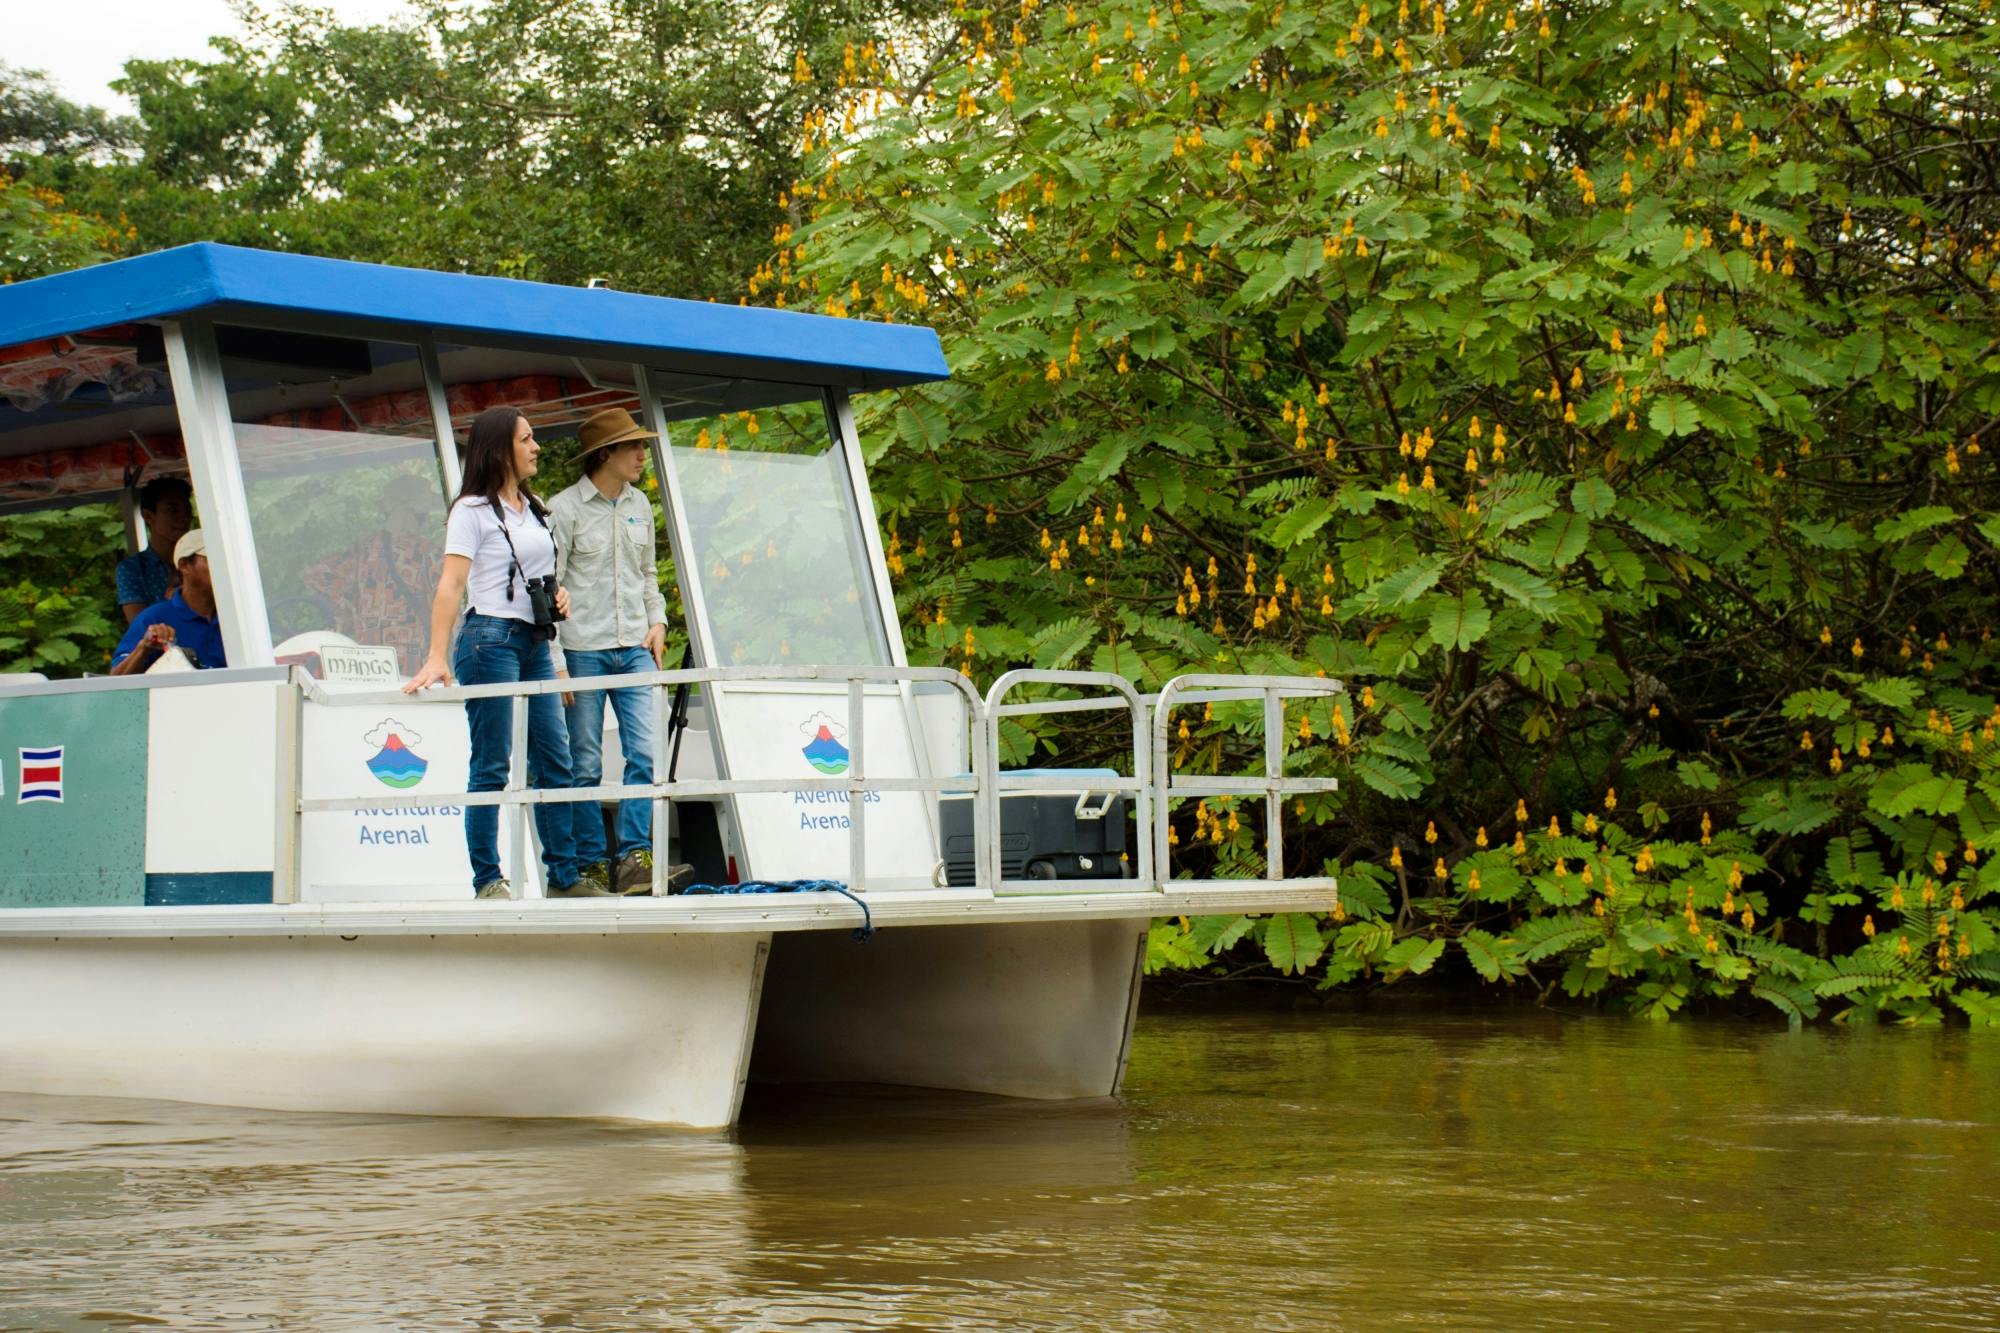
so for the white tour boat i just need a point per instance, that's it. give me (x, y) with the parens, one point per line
(249, 886)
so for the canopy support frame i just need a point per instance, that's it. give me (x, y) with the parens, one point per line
(201, 397)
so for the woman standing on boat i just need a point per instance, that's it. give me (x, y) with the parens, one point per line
(500, 557)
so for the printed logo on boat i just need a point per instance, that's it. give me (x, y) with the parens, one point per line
(41, 775)
(394, 763)
(825, 748)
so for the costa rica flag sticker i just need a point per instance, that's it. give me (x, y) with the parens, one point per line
(41, 775)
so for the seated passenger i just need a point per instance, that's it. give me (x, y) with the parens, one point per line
(186, 620)
(144, 579)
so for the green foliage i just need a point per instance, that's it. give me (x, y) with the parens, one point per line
(58, 598)
(638, 141)
(1595, 392)
(1604, 389)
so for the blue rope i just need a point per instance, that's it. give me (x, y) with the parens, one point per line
(862, 933)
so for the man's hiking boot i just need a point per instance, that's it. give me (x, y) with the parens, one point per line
(589, 884)
(635, 874)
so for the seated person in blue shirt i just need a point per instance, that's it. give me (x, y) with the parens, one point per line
(186, 619)
(167, 503)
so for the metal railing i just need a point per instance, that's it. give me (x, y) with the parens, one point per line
(518, 794)
(996, 782)
(1153, 786)
(1274, 785)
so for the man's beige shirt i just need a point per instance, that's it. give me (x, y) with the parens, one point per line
(605, 557)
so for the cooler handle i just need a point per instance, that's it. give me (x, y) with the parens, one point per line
(1083, 807)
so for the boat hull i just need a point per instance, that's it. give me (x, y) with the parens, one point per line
(652, 1027)
(653, 1009)
(1036, 1009)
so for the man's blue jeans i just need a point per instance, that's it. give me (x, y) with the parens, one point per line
(635, 738)
(490, 650)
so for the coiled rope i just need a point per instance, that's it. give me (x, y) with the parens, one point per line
(862, 933)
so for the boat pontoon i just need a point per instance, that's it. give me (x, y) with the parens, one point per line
(249, 886)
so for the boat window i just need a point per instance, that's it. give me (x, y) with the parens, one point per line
(772, 522)
(335, 440)
(84, 420)
(557, 394)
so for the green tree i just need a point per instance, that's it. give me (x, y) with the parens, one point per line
(633, 140)
(37, 121)
(41, 231)
(1597, 390)
(57, 593)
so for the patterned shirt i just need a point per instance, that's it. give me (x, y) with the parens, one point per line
(379, 592)
(143, 578)
(605, 556)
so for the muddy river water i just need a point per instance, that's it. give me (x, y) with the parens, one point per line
(1379, 1170)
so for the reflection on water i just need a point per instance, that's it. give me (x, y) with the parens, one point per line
(1292, 1171)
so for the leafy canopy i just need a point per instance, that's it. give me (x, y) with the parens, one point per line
(1597, 389)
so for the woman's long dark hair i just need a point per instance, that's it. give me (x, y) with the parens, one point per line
(489, 457)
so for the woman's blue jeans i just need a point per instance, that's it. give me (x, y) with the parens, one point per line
(492, 650)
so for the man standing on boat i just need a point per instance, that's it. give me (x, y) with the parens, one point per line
(606, 557)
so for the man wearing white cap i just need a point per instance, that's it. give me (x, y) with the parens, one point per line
(186, 620)
(617, 625)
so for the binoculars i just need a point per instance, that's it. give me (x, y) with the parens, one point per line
(542, 603)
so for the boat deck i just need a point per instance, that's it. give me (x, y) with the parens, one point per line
(690, 915)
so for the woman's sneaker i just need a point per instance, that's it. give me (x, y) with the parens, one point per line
(499, 888)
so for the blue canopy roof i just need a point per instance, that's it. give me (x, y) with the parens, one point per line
(225, 281)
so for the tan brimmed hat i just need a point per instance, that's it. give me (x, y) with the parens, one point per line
(191, 544)
(601, 430)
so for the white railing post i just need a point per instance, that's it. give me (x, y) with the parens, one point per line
(1274, 769)
(857, 831)
(984, 831)
(1161, 764)
(662, 827)
(517, 780)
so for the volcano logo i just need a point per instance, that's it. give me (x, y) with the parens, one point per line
(394, 763)
(824, 748)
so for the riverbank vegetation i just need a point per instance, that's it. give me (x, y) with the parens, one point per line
(1608, 394)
